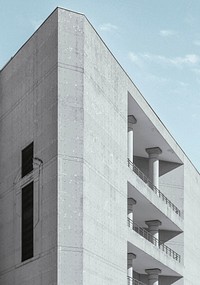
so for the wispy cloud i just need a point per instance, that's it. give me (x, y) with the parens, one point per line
(190, 20)
(196, 43)
(191, 59)
(183, 84)
(157, 79)
(167, 33)
(141, 58)
(134, 57)
(196, 70)
(108, 27)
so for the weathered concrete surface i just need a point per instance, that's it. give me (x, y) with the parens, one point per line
(105, 189)
(28, 112)
(70, 147)
(191, 221)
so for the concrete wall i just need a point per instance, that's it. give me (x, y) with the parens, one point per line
(28, 112)
(105, 186)
(191, 221)
(92, 134)
(70, 147)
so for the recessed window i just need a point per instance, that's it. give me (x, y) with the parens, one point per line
(27, 222)
(27, 159)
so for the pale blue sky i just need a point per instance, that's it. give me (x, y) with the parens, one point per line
(156, 41)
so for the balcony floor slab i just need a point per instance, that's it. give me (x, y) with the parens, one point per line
(149, 256)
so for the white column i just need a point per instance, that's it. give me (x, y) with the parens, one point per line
(131, 203)
(154, 164)
(153, 228)
(153, 275)
(131, 257)
(131, 121)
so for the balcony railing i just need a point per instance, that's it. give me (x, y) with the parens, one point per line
(132, 281)
(144, 233)
(139, 173)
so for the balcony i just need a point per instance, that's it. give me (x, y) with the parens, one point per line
(132, 281)
(150, 185)
(145, 234)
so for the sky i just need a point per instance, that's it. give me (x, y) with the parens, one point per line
(157, 42)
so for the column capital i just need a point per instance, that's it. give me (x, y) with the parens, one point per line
(131, 121)
(131, 256)
(153, 223)
(153, 271)
(153, 151)
(131, 201)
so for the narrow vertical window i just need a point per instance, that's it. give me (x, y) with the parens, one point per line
(27, 221)
(27, 159)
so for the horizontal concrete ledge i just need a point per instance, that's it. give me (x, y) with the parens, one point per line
(139, 191)
(150, 256)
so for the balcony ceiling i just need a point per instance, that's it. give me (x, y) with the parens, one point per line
(144, 261)
(146, 135)
(144, 210)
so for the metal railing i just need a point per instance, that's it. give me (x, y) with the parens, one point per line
(144, 233)
(139, 173)
(132, 281)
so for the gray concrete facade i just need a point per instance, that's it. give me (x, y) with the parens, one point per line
(66, 92)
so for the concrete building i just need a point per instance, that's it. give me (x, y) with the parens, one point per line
(74, 210)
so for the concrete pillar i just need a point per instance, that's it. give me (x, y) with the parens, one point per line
(131, 121)
(154, 164)
(153, 228)
(131, 257)
(153, 275)
(131, 203)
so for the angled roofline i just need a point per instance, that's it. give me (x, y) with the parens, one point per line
(81, 14)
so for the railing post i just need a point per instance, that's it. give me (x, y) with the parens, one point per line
(132, 281)
(148, 236)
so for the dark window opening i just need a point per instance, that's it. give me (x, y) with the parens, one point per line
(27, 221)
(27, 159)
